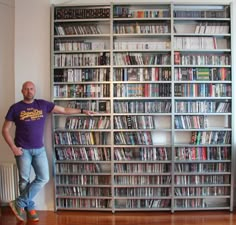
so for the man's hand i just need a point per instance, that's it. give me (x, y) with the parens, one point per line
(17, 151)
(89, 113)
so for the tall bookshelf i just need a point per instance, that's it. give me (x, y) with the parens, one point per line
(160, 78)
(82, 79)
(202, 107)
(142, 106)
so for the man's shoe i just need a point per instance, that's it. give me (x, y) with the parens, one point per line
(19, 212)
(32, 215)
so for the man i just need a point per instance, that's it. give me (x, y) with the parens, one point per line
(29, 116)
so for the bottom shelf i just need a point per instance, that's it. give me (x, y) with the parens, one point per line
(80, 203)
(141, 204)
(202, 203)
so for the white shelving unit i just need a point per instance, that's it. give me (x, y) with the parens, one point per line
(160, 78)
(82, 78)
(202, 107)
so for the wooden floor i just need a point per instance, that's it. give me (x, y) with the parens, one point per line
(125, 218)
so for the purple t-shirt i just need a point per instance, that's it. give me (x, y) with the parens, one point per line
(29, 120)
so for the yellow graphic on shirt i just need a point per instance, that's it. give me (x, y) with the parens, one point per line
(31, 114)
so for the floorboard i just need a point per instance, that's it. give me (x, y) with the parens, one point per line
(124, 218)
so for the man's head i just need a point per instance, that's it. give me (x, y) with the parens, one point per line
(28, 90)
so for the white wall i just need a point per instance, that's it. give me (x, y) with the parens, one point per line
(73, 2)
(6, 67)
(31, 61)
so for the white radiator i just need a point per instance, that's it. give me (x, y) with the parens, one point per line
(8, 182)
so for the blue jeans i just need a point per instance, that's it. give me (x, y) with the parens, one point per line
(37, 158)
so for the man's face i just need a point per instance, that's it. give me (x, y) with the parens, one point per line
(28, 91)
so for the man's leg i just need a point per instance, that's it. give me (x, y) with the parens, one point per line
(40, 165)
(41, 169)
(24, 167)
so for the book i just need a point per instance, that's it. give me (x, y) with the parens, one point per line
(102, 107)
(203, 74)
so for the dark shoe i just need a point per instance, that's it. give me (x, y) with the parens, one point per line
(32, 215)
(19, 212)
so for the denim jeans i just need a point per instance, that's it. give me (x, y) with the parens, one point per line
(36, 159)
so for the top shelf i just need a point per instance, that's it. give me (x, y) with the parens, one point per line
(75, 13)
(201, 12)
(140, 11)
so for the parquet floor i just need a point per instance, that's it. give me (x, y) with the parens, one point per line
(125, 218)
